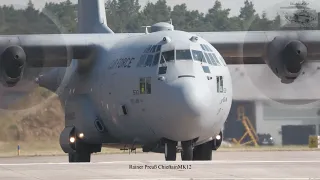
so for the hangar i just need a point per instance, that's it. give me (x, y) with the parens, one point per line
(272, 106)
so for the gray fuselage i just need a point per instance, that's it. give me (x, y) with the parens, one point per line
(147, 87)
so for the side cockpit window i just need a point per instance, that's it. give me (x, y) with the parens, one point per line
(150, 56)
(149, 61)
(142, 60)
(198, 55)
(167, 56)
(210, 55)
(209, 59)
(156, 59)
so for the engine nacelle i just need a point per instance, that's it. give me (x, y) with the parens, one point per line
(12, 65)
(285, 57)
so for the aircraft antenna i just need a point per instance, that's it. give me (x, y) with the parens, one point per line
(171, 23)
(146, 30)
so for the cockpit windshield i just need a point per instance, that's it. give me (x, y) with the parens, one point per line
(183, 54)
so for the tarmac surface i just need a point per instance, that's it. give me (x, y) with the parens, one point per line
(226, 165)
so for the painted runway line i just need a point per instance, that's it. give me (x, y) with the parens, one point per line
(157, 162)
(234, 178)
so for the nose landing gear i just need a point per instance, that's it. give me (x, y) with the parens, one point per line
(202, 152)
(170, 150)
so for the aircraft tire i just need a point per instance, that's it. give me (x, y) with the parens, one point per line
(187, 151)
(170, 150)
(79, 157)
(203, 152)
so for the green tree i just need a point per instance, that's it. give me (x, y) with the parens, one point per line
(217, 19)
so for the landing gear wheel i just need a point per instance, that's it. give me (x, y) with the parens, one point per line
(170, 150)
(187, 151)
(203, 152)
(79, 157)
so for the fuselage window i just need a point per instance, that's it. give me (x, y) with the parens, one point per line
(148, 85)
(208, 48)
(167, 56)
(162, 70)
(149, 61)
(142, 60)
(220, 88)
(208, 58)
(183, 54)
(158, 48)
(145, 85)
(156, 59)
(142, 86)
(206, 69)
(197, 55)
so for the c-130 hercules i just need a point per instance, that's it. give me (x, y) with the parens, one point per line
(162, 90)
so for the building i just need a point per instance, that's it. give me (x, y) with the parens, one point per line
(269, 104)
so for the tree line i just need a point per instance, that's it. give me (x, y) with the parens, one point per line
(129, 16)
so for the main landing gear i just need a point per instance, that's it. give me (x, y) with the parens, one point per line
(188, 153)
(202, 152)
(78, 150)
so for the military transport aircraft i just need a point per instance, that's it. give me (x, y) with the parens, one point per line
(159, 90)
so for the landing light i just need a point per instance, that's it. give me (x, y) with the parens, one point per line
(218, 137)
(81, 135)
(72, 139)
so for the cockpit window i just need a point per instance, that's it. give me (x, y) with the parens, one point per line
(208, 58)
(183, 54)
(149, 61)
(216, 59)
(153, 49)
(208, 48)
(147, 49)
(156, 59)
(142, 60)
(202, 46)
(158, 48)
(197, 55)
(167, 56)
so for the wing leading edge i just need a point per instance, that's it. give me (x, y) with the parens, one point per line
(252, 45)
(47, 50)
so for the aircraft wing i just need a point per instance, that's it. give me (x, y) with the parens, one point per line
(250, 47)
(47, 50)
(285, 52)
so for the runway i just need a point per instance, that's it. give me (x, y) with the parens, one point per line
(226, 165)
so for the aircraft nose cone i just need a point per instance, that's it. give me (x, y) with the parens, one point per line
(189, 105)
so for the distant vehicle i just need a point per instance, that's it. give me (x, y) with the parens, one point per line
(265, 140)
